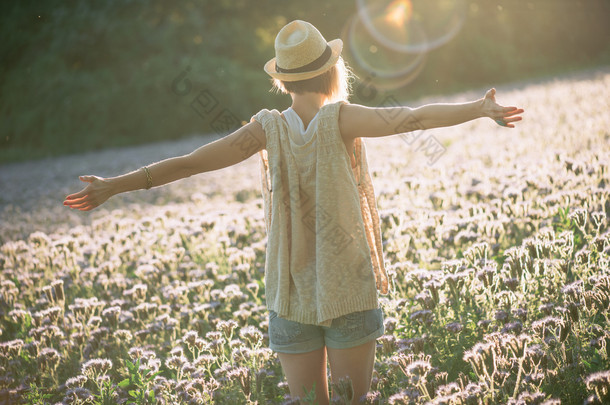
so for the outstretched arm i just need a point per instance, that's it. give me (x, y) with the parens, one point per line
(219, 154)
(359, 121)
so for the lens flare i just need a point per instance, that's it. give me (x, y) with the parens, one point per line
(389, 39)
(440, 20)
(386, 68)
(398, 12)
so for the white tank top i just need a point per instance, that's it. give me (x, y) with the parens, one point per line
(298, 133)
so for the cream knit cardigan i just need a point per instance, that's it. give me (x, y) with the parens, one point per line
(324, 255)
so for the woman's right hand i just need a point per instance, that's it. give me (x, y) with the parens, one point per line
(93, 195)
(503, 116)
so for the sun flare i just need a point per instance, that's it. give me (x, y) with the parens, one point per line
(398, 12)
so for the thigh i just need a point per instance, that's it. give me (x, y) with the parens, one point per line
(350, 344)
(306, 372)
(355, 363)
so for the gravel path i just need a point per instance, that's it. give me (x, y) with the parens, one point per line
(33, 192)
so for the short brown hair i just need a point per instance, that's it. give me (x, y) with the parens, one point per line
(334, 83)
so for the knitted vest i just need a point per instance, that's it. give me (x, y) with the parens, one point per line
(324, 254)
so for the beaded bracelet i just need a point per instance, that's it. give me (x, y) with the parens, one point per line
(148, 177)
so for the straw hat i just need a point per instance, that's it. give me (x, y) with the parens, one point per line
(301, 53)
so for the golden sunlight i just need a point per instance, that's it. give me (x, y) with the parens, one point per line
(399, 11)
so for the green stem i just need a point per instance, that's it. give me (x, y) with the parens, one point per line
(516, 391)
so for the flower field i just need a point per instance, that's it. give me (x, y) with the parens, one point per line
(498, 252)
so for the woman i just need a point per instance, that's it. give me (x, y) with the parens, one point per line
(324, 265)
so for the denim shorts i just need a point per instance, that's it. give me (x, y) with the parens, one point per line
(345, 332)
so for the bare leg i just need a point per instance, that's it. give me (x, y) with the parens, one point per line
(305, 369)
(356, 363)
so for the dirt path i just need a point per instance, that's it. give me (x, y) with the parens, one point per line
(33, 192)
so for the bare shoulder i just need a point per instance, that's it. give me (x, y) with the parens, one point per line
(356, 121)
(351, 119)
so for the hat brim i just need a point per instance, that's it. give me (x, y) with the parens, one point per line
(336, 46)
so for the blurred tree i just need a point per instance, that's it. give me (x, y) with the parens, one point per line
(80, 75)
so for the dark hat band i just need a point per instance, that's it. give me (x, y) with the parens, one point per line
(316, 64)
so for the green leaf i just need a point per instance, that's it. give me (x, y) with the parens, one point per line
(124, 383)
(151, 396)
(133, 393)
(152, 376)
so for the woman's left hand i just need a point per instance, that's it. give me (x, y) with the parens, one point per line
(93, 195)
(503, 116)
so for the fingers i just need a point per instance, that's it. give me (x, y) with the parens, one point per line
(511, 111)
(76, 195)
(75, 203)
(84, 205)
(505, 115)
(506, 121)
(513, 119)
(491, 93)
(83, 200)
(78, 199)
(506, 110)
(83, 192)
(503, 123)
(509, 115)
(87, 179)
